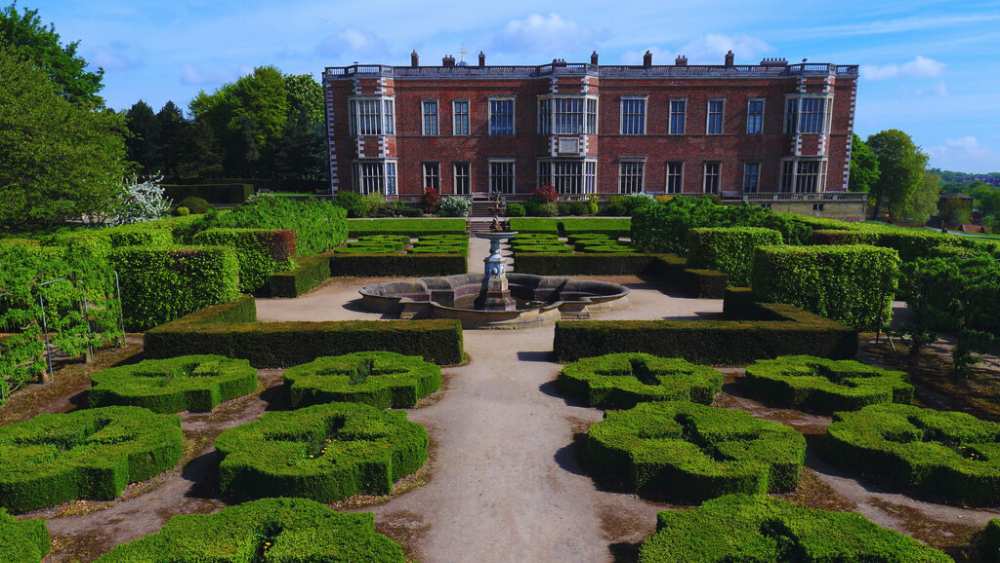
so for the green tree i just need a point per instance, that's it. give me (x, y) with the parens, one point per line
(921, 204)
(143, 142)
(305, 96)
(173, 129)
(985, 198)
(58, 161)
(864, 166)
(24, 33)
(901, 166)
(199, 154)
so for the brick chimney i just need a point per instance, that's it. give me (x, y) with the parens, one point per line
(414, 58)
(681, 60)
(482, 58)
(730, 58)
(593, 58)
(447, 60)
(779, 61)
(647, 58)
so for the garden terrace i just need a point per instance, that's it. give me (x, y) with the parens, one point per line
(185, 383)
(823, 385)
(323, 452)
(278, 529)
(379, 379)
(755, 528)
(951, 457)
(88, 454)
(621, 381)
(686, 452)
(23, 541)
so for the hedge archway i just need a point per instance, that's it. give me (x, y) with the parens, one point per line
(379, 379)
(624, 380)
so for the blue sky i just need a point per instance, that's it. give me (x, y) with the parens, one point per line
(931, 68)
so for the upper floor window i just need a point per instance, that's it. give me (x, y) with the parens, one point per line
(591, 116)
(460, 117)
(630, 176)
(371, 116)
(712, 178)
(633, 117)
(501, 176)
(755, 116)
(713, 125)
(544, 116)
(567, 115)
(429, 110)
(432, 175)
(678, 117)
(811, 117)
(675, 177)
(502, 116)
(751, 177)
(791, 116)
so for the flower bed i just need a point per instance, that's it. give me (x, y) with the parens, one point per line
(379, 379)
(620, 381)
(683, 452)
(23, 541)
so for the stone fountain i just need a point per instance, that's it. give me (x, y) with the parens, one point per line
(495, 292)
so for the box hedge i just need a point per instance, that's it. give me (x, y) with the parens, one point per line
(398, 265)
(276, 529)
(85, 454)
(213, 193)
(822, 385)
(323, 452)
(318, 224)
(231, 330)
(685, 452)
(185, 383)
(549, 264)
(758, 528)
(989, 542)
(260, 252)
(614, 226)
(728, 249)
(308, 273)
(854, 284)
(412, 227)
(949, 457)
(23, 541)
(534, 225)
(620, 381)
(772, 330)
(379, 379)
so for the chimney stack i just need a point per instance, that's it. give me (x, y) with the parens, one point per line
(447, 60)
(730, 58)
(647, 58)
(414, 58)
(482, 58)
(681, 60)
(593, 58)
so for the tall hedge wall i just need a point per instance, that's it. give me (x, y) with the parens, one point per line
(260, 252)
(162, 284)
(318, 224)
(854, 284)
(213, 193)
(410, 265)
(308, 273)
(728, 249)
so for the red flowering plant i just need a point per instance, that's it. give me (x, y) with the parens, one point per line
(546, 194)
(432, 199)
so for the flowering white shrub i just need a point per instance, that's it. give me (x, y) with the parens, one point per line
(142, 200)
(454, 206)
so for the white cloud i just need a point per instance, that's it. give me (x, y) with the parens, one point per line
(901, 25)
(964, 153)
(919, 67)
(549, 34)
(195, 76)
(352, 42)
(967, 145)
(116, 55)
(712, 47)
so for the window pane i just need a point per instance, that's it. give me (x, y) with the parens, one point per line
(430, 118)
(751, 177)
(787, 175)
(502, 177)
(590, 177)
(544, 116)
(432, 175)
(714, 117)
(711, 179)
(807, 176)
(501, 117)
(633, 116)
(678, 115)
(461, 117)
(591, 116)
(674, 177)
(389, 117)
(390, 178)
(755, 117)
(462, 180)
(791, 116)
(812, 115)
(630, 177)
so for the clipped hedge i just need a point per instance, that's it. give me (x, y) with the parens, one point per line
(620, 381)
(398, 265)
(162, 284)
(616, 226)
(854, 284)
(85, 454)
(534, 225)
(823, 385)
(318, 224)
(23, 541)
(412, 227)
(379, 379)
(950, 457)
(230, 330)
(323, 452)
(277, 529)
(758, 528)
(989, 542)
(185, 383)
(686, 452)
(728, 249)
(260, 252)
(550, 264)
(309, 272)
(213, 193)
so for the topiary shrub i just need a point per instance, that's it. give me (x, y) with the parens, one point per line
(182, 211)
(951, 457)
(620, 381)
(185, 383)
(195, 204)
(276, 529)
(319, 225)
(758, 528)
(989, 542)
(728, 249)
(23, 541)
(379, 379)
(86, 454)
(822, 385)
(260, 252)
(686, 452)
(516, 210)
(323, 452)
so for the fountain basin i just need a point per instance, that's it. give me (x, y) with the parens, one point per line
(538, 299)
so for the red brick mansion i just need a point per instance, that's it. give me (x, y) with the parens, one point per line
(771, 132)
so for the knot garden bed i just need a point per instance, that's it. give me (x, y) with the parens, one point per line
(822, 385)
(23, 541)
(278, 529)
(758, 528)
(323, 452)
(86, 454)
(379, 379)
(187, 383)
(619, 381)
(686, 452)
(951, 457)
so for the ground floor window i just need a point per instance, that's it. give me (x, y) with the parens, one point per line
(432, 175)
(463, 179)
(630, 176)
(501, 176)
(803, 176)
(713, 174)
(751, 177)
(675, 177)
(375, 177)
(571, 177)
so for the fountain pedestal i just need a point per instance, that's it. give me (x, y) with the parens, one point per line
(495, 292)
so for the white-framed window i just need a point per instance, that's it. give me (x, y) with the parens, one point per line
(375, 176)
(590, 176)
(460, 117)
(371, 116)
(463, 178)
(713, 121)
(501, 117)
(429, 117)
(631, 174)
(633, 115)
(678, 117)
(591, 116)
(791, 116)
(675, 177)
(390, 177)
(502, 176)
(712, 177)
(751, 177)
(432, 175)
(544, 116)
(567, 115)
(787, 175)
(568, 176)
(803, 176)
(755, 116)
(812, 115)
